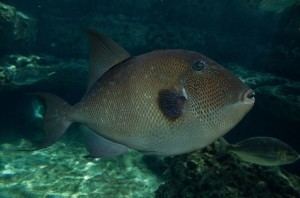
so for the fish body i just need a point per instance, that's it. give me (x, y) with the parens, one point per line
(264, 151)
(164, 102)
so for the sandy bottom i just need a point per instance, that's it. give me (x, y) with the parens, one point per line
(62, 171)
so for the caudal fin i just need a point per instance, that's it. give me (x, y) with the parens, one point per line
(56, 118)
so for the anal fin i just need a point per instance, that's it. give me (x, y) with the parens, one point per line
(98, 146)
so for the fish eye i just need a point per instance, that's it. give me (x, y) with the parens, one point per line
(198, 65)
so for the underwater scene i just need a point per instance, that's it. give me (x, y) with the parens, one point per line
(150, 99)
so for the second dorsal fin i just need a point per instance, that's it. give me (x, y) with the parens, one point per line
(104, 53)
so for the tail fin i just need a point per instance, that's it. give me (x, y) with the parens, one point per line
(56, 118)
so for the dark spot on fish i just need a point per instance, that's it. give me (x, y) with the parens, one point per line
(199, 65)
(171, 103)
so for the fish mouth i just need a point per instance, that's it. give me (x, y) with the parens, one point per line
(248, 97)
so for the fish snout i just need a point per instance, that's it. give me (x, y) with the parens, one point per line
(248, 97)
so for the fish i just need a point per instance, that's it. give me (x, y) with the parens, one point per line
(264, 151)
(164, 102)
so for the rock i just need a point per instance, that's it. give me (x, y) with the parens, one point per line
(262, 40)
(284, 54)
(17, 30)
(213, 173)
(276, 109)
(278, 96)
(41, 73)
(19, 70)
(284, 100)
(21, 75)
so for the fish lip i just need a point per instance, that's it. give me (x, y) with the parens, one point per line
(248, 97)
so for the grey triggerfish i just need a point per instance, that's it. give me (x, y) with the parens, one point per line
(164, 102)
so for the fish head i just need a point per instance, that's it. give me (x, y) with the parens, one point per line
(287, 155)
(217, 99)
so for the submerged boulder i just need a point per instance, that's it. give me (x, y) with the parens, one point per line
(213, 173)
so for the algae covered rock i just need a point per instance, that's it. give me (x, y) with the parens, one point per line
(42, 73)
(19, 70)
(17, 30)
(213, 173)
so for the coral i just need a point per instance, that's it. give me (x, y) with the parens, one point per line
(213, 173)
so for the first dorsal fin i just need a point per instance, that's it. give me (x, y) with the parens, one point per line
(104, 53)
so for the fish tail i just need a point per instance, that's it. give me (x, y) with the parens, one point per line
(57, 118)
(225, 145)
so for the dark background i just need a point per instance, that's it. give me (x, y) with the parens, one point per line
(229, 31)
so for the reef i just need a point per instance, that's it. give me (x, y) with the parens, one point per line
(212, 173)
